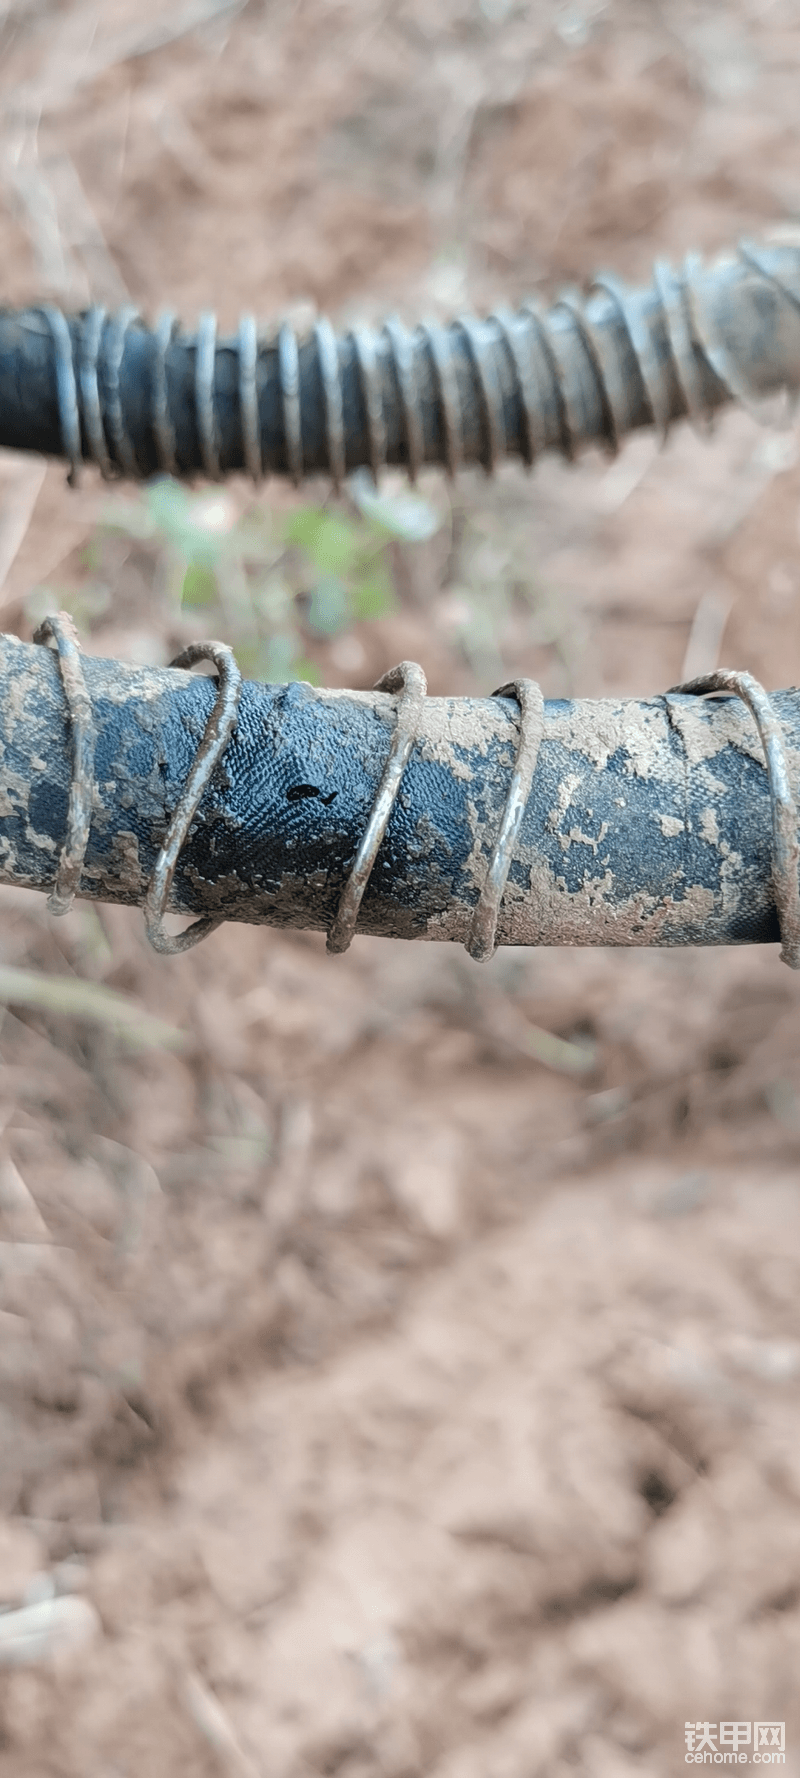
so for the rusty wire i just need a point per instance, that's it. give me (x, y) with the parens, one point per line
(670, 336)
(604, 369)
(723, 363)
(328, 364)
(490, 397)
(440, 350)
(218, 731)
(289, 374)
(402, 356)
(113, 354)
(785, 847)
(60, 630)
(367, 360)
(204, 367)
(91, 336)
(247, 343)
(523, 359)
(755, 257)
(163, 429)
(641, 342)
(482, 941)
(677, 321)
(409, 680)
(69, 412)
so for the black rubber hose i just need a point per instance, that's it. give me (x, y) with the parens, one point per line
(648, 822)
(108, 389)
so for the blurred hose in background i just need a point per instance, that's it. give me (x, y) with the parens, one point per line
(105, 388)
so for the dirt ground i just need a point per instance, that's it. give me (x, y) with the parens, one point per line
(374, 1400)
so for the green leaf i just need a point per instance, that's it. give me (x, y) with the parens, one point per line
(168, 505)
(91, 554)
(68, 995)
(199, 586)
(273, 599)
(404, 515)
(373, 594)
(273, 662)
(328, 539)
(558, 1053)
(198, 527)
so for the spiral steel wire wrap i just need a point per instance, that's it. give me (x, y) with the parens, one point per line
(500, 820)
(60, 630)
(106, 389)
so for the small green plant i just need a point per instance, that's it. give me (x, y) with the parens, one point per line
(499, 604)
(273, 581)
(276, 580)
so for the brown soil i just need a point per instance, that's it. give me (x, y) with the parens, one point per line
(403, 1407)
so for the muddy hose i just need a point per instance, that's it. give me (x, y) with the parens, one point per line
(107, 389)
(668, 821)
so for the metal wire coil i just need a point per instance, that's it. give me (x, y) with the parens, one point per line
(470, 391)
(408, 682)
(218, 730)
(60, 630)
(785, 845)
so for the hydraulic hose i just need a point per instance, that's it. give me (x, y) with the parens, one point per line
(626, 822)
(139, 401)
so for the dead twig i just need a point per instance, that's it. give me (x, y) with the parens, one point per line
(73, 261)
(509, 1027)
(56, 270)
(21, 479)
(68, 995)
(18, 1205)
(183, 144)
(81, 231)
(705, 636)
(209, 1717)
(131, 45)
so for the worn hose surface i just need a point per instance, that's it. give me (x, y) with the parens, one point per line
(647, 822)
(135, 400)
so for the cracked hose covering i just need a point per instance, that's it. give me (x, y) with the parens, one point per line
(648, 821)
